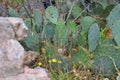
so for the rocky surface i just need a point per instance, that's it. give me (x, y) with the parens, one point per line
(12, 53)
(17, 24)
(6, 30)
(30, 74)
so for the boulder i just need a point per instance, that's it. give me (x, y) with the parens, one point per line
(6, 30)
(11, 58)
(30, 74)
(19, 28)
(11, 51)
(13, 30)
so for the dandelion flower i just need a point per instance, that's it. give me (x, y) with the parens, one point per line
(54, 60)
(40, 64)
(49, 61)
(59, 62)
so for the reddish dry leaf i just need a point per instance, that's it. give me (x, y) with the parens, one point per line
(108, 34)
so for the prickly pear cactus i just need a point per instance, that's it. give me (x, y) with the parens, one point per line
(93, 37)
(61, 33)
(13, 13)
(86, 22)
(48, 31)
(32, 42)
(80, 56)
(107, 53)
(109, 50)
(50, 50)
(104, 57)
(51, 13)
(103, 65)
(38, 20)
(114, 21)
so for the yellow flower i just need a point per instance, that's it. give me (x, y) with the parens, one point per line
(49, 61)
(39, 63)
(54, 60)
(59, 61)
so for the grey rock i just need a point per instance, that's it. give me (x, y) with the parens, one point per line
(30, 74)
(19, 28)
(6, 30)
(13, 30)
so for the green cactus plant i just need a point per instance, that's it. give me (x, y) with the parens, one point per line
(86, 22)
(107, 49)
(106, 56)
(13, 13)
(103, 65)
(113, 21)
(48, 31)
(93, 40)
(33, 41)
(61, 33)
(50, 50)
(38, 20)
(80, 56)
(51, 14)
